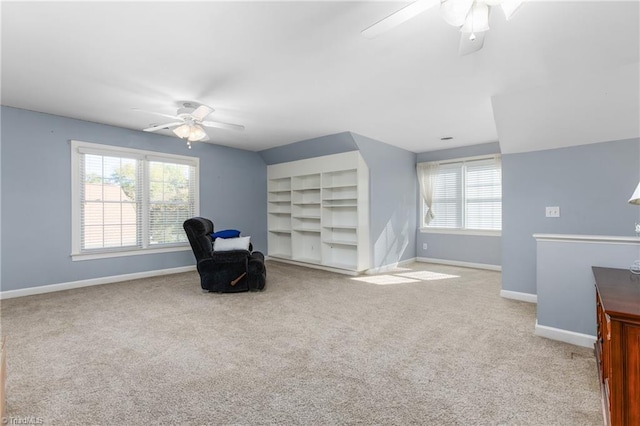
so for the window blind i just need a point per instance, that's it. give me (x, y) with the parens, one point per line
(110, 204)
(483, 200)
(171, 201)
(447, 197)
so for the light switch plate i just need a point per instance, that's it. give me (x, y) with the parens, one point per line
(553, 211)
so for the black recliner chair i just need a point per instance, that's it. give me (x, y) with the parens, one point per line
(224, 271)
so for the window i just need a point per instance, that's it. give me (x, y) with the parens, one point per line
(128, 201)
(467, 195)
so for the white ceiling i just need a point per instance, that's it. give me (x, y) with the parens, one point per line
(557, 74)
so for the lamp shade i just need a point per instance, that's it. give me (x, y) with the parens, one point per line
(635, 198)
(477, 20)
(197, 133)
(455, 12)
(182, 131)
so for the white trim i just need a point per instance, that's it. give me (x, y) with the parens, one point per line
(569, 238)
(75, 198)
(460, 231)
(389, 267)
(516, 295)
(102, 149)
(464, 159)
(314, 266)
(460, 263)
(78, 147)
(108, 254)
(10, 294)
(578, 339)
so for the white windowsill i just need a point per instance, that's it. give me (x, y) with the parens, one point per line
(478, 232)
(108, 254)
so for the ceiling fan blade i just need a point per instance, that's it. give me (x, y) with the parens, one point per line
(468, 46)
(175, 117)
(455, 12)
(221, 125)
(201, 112)
(398, 17)
(510, 7)
(162, 126)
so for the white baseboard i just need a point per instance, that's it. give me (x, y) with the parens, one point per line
(315, 266)
(390, 267)
(460, 263)
(9, 294)
(516, 295)
(566, 336)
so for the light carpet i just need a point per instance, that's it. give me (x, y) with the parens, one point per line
(426, 344)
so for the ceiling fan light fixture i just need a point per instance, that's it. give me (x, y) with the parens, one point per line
(183, 131)
(190, 132)
(477, 20)
(455, 12)
(197, 133)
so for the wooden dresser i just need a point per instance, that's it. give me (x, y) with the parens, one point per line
(618, 344)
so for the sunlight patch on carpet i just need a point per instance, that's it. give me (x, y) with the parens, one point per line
(427, 275)
(385, 279)
(404, 277)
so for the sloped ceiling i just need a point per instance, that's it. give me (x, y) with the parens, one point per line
(557, 74)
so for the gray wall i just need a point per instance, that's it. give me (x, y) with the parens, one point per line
(566, 294)
(481, 249)
(393, 196)
(590, 183)
(36, 192)
(310, 148)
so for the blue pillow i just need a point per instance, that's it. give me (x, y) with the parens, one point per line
(227, 233)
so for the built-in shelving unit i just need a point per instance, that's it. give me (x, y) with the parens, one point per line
(319, 212)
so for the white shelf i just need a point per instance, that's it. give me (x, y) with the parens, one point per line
(306, 204)
(280, 201)
(337, 206)
(341, 242)
(280, 231)
(317, 231)
(348, 227)
(281, 213)
(354, 186)
(306, 217)
(341, 199)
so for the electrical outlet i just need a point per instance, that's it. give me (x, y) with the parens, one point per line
(552, 212)
(637, 228)
(424, 246)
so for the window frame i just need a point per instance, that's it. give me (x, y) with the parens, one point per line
(144, 156)
(460, 231)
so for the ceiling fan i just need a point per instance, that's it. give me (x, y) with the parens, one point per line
(189, 122)
(470, 16)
